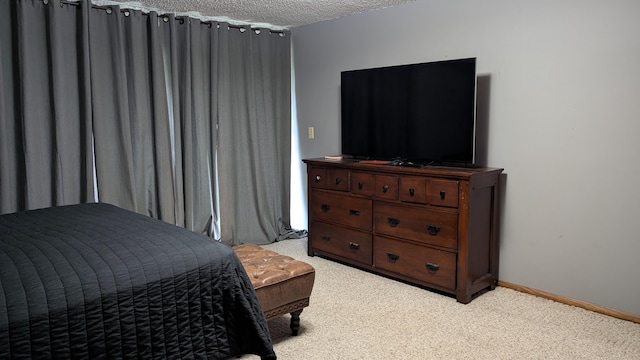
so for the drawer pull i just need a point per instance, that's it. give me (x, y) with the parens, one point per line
(385, 188)
(325, 207)
(318, 178)
(432, 267)
(325, 237)
(354, 246)
(360, 185)
(433, 229)
(354, 212)
(442, 194)
(338, 181)
(393, 257)
(412, 191)
(393, 222)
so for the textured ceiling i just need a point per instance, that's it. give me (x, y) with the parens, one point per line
(278, 13)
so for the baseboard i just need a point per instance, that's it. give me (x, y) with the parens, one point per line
(569, 301)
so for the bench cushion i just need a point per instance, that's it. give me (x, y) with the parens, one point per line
(282, 283)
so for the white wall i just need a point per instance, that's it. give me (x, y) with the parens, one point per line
(563, 113)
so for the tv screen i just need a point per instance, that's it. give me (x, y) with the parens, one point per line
(418, 113)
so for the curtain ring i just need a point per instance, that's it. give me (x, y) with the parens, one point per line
(165, 19)
(126, 13)
(257, 31)
(109, 11)
(46, 2)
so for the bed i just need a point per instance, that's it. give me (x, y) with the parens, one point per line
(96, 281)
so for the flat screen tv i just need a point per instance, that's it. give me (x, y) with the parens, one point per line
(421, 114)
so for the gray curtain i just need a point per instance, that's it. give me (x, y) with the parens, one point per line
(168, 107)
(191, 51)
(112, 105)
(45, 106)
(132, 131)
(254, 137)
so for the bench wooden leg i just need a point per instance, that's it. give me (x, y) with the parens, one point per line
(295, 322)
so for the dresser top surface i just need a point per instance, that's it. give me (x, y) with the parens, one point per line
(383, 166)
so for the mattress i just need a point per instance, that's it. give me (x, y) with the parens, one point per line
(96, 281)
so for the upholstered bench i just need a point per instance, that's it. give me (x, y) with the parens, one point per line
(282, 283)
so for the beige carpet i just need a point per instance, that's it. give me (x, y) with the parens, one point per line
(357, 315)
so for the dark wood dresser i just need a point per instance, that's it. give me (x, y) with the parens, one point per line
(432, 226)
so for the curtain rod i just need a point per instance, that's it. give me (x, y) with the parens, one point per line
(193, 15)
(242, 28)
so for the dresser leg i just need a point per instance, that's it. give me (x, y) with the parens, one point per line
(463, 298)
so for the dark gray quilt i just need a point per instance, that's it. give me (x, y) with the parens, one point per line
(95, 281)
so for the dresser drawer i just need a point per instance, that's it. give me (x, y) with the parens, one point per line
(362, 183)
(338, 179)
(343, 242)
(425, 225)
(341, 209)
(386, 187)
(443, 192)
(413, 189)
(318, 178)
(434, 266)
